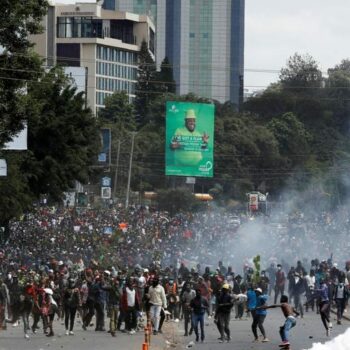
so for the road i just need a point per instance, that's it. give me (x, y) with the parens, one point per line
(13, 339)
(308, 330)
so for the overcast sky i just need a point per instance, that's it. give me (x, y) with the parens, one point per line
(276, 29)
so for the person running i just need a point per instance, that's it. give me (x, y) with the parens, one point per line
(322, 295)
(260, 315)
(290, 322)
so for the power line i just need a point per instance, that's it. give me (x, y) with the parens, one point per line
(175, 83)
(137, 64)
(110, 92)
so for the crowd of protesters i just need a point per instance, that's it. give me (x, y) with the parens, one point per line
(122, 264)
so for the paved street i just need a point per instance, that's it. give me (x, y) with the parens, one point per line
(13, 339)
(308, 330)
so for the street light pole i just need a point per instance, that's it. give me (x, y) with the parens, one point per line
(133, 134)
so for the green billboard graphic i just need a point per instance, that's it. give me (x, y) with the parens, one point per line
(189, 139)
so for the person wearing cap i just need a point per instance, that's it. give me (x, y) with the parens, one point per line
(260, 315)
(189, 143)
(223, 313)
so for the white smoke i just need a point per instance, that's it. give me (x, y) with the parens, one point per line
(341, 342)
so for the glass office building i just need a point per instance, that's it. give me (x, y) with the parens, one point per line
(205, 43)
(203, 39)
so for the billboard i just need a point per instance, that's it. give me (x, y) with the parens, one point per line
(189, 141)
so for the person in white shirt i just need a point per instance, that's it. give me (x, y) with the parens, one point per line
(157, 300)
(131, 299)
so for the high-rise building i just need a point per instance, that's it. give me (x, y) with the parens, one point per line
(204, 41)
(155, 9)
(104, 42)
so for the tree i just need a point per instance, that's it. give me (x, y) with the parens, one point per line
(174, 201)
(165, 78)
(293, 139)
(18, 64)
(63, 136)
(302, 72)
(15, 193)
(146, 90)
(119, 113)
(119, 116)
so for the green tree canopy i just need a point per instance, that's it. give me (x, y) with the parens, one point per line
(18, 64)
(63, 136)
(165, 77)
(146, 89)
(301, 73)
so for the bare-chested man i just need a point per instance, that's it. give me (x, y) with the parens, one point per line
(288, 312)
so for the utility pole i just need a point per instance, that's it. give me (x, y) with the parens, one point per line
(133, 134)
(116, 171)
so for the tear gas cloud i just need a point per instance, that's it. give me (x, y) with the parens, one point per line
(298, 228)
(341, 342)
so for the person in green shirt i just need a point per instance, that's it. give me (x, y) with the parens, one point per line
(188, 143)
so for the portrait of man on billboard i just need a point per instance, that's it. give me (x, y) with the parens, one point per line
(188, 142)
(189, 139)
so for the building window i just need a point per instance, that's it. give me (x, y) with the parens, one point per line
(79, 27)
(192, 35)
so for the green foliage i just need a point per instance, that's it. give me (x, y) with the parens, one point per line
(175, 200)
(145, 87)
(292, 137)
(165, 78)
(301, 73)
(63, 136)
(18, 64)
(15, 193)
(118, 113)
